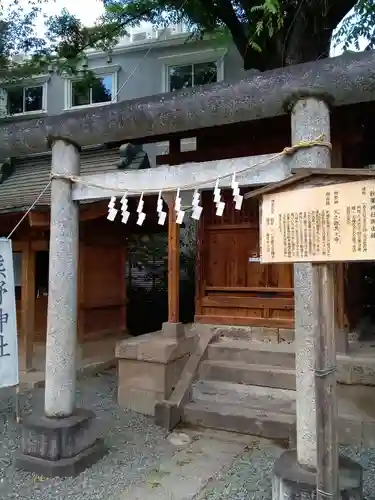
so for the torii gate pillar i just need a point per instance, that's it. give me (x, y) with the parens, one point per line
(63, 441)
(295, 475)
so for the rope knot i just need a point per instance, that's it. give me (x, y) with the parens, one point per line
(319, 141)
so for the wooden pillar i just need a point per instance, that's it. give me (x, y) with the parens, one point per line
(81, 293)
(27, 329)
(325, 381)
(123, 288)
(173, 266)
(339, 271)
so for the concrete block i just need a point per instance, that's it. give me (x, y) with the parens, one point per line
(142, 375)
(139, 400)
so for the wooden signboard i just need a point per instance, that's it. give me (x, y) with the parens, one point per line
(332, 223)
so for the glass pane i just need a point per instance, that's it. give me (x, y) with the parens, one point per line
(101, 90)
(15, 101)
(33, 98)
(80, 94)
(205, 73)
(17, 264)
(180, 77)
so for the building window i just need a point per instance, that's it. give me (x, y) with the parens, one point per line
(24, 99)
(100, 91)
(19, 100)
(103, 90)
(191, 75)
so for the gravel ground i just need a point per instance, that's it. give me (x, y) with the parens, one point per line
(135, 445)
(136, 449)
(249, 478)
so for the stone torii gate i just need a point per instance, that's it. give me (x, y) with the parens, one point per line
(63, 440)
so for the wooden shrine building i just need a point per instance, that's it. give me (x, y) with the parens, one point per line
(314, 115)
(232, 287)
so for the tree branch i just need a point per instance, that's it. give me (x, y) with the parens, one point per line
(227, 15)
(337, 10)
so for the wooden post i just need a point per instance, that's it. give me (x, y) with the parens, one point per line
(325, 385)
(173, 265)
(27, 329)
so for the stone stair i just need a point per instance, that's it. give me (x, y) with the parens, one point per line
(250, 388)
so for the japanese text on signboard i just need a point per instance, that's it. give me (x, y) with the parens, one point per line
(326, 223)
(9, 373)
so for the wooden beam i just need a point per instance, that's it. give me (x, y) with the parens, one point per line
(259, 170)
(27, 329)
(93, 211)
(39, 219)
(90, 212)
(173, 266)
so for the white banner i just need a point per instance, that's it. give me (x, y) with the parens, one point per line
(9, 374)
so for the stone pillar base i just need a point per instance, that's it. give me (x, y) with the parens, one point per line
(291, 482)
(60, 447)
(173, 330)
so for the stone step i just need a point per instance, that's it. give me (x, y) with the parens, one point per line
(238, 418)
(270, 412)
(249, 374)
(252, 353)
(250, 396)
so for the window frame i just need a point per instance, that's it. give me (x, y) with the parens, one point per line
(102, 72)
(191, 58)
(37, 81)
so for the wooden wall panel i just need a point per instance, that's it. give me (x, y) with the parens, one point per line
(230, 289)
(103, 299)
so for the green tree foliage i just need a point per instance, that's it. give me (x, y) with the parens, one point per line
(267, 33)
(358, 26)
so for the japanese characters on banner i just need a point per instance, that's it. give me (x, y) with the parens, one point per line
(9, 374)
(333, 223)
(195, 206)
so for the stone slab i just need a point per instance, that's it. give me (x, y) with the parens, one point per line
(155, 347)
(191, 468)
(292, 482)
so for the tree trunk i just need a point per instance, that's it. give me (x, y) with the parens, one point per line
(305, 36)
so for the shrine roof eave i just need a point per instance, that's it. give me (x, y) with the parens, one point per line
(348, 79)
